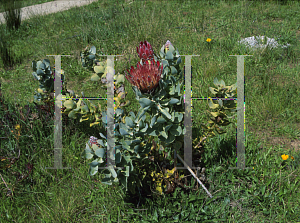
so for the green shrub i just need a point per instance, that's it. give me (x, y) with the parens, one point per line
(12, 14)
(5, 51)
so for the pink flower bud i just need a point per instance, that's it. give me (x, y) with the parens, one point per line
(93, 140)
(145, 51)
(168, 43)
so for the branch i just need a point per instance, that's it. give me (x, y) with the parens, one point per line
(9, 190)
(200, 142)
(209, 194)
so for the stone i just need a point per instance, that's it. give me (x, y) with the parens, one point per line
(261, 42)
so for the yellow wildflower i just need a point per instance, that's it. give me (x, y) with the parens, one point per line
(208, 40)
(169, 172)
(17, 127)
(284, 157)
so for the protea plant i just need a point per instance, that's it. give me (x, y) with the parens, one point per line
(145, 51)
(145, 77)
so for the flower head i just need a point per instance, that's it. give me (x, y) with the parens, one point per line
(145, 77)
(145, 51)
(17, 133)
(284, 157)
(93, 140)
(17, 127)
(208, 40)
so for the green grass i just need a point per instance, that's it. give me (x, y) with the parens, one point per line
(26, 3)
(269, 193)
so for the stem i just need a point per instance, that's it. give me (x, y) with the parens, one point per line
(200, 142)
(193, 174)
(5, 182)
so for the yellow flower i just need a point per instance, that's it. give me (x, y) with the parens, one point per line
(158, 188)
(208, 40)
(17, 127)
(284, 157)
(169, 172)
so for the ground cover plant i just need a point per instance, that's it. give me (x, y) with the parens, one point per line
(269, 192)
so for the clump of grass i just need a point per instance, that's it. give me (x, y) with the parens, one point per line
(12, 14)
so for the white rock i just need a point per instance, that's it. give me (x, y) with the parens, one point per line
(256, 42)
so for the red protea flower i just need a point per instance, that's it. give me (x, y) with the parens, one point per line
(145, 51)
(146, 77)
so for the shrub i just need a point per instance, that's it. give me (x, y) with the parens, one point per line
(12, 14)
(5, 51)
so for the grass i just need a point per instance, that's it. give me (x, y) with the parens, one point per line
(268, 193)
